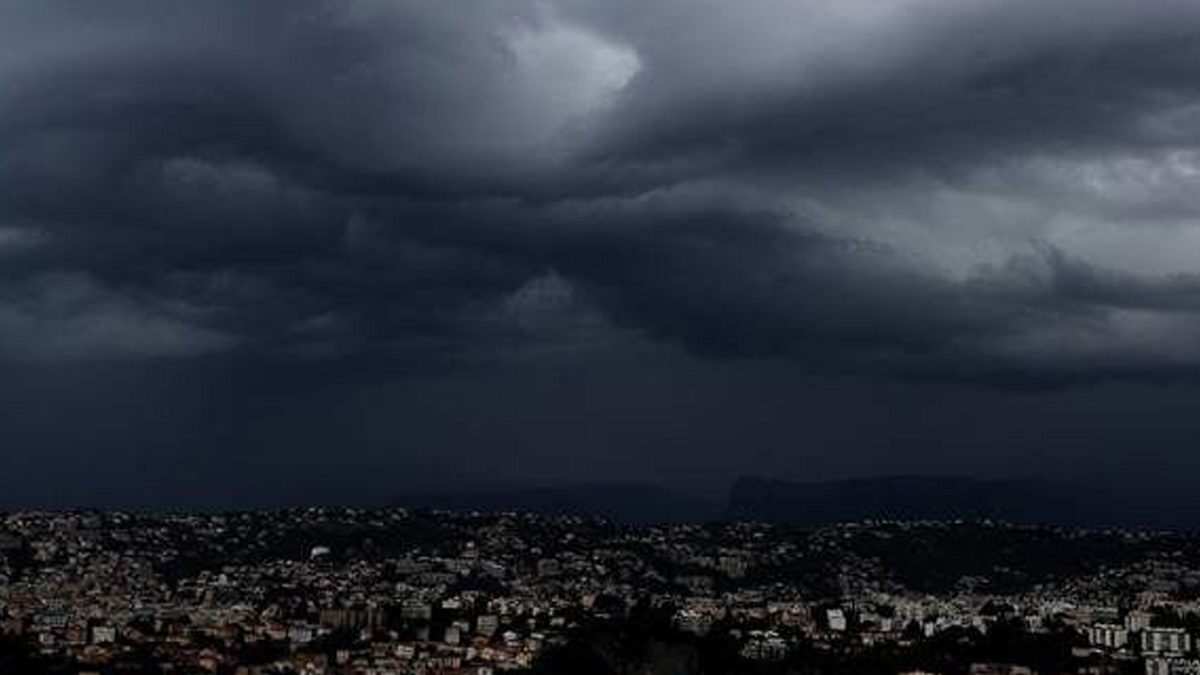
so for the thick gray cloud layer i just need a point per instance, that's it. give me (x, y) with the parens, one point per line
(982, 190)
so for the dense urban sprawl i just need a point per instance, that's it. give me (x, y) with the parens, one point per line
(384, 592)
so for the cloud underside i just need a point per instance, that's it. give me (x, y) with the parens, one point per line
(990, 191)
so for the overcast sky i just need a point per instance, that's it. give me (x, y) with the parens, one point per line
(255, 253)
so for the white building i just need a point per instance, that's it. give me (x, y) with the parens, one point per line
(836, 619)
(1172, 666)
(1166, 642)
(765, 646)
(487, 624)
(1108, 636)
(104, 635)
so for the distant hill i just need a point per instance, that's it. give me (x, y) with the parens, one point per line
(912, 498)
(625, 502)
(837, 501)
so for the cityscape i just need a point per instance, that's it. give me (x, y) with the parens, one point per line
(599, 337)
(330, 591)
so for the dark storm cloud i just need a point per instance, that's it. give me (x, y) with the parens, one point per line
(985, 190)
(895, 85)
